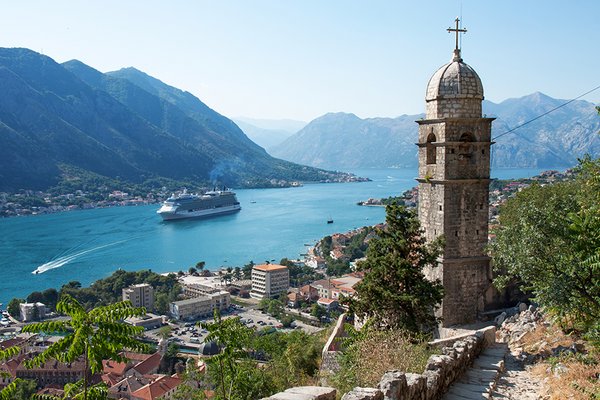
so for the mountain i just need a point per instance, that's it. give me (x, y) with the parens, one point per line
(554, 140)
(557, 139)
(341, 140)
(124, 125)
(268, 133)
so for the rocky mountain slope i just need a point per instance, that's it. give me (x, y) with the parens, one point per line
(556, 140)
(124, 125)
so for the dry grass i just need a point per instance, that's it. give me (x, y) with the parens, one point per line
(370, 357)
(384, 351)
(566, 376)
(580, 380)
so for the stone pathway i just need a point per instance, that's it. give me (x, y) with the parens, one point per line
(480, 380)
(496, 374)
(517, 383)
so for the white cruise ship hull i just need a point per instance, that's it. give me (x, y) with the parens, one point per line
(171, 213)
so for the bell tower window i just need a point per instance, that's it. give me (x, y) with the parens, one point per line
(431, 150)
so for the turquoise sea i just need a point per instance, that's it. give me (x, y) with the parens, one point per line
(88, 245)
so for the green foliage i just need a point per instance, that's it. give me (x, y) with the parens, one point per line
(317, 311)
(394, 292)
(232, 371)
(296, 353)
(300, 275)
(35, 297)
(94, 336)
(24, 389)
(288, 359)
(549, 242)
(273, 307)
(326, 244)
(13, 307)
(79, 391)
(8, 353)
(367, 354)
(109, 290)
(247, 270)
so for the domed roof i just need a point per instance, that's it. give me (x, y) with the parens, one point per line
(454, 80)
(209, 349)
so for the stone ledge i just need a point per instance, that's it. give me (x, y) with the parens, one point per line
(306, 393)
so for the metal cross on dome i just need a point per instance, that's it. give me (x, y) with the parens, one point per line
(457, 30)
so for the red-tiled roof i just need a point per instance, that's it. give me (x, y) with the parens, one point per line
(270, 267)
(113, 367)
(149, 365)
(157, 388)
(12, 342)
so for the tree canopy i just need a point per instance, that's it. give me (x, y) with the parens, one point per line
(94, 336)
(549, 241)
(395, 292)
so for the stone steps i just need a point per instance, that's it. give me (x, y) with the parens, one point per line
(480, 380)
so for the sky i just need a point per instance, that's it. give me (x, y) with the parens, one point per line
(283, 59)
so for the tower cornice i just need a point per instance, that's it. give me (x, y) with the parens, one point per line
(453, 119)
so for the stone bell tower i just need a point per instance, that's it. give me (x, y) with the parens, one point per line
(454, 176)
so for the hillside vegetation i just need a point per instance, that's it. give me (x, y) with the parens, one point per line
(123, 125)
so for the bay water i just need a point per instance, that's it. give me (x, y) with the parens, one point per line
(44, 251)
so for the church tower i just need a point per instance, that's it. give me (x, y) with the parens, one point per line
(454, 176)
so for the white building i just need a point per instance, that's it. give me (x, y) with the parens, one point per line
(141, 295)
(269, 280)
(32, 311)
(202, 306)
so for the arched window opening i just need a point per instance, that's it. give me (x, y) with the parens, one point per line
(466, 137)
(465, 147)
(431, 150)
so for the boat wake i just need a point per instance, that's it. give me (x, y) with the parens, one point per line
(60, 261)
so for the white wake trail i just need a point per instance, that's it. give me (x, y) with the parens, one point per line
(59, 262)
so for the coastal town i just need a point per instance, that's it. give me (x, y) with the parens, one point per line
(263, 297)
(304, 294)
(29, 202)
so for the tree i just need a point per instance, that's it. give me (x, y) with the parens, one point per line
(95, 335)
(192, 271)
(9, 392)
(394, 292)
(24, 389)
(14, 308)
(200, 265)
(233, 373)
(318, 311)
(35, 297)
(165, 332)
(549, 242)
(247, 270)
(50, 298)
(161, 303)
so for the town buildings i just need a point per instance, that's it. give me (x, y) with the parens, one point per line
(201, 306)
(269, 280)
(32, 311)
(141, 295)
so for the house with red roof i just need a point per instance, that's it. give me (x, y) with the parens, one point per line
(162, 388)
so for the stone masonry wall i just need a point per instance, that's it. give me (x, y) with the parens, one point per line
(458, 353)
(441, 371)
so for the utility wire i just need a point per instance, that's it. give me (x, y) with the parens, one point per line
(546, 113)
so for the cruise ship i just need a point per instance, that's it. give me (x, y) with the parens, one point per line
(185, 205)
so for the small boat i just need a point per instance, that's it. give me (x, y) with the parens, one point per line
(330, 220)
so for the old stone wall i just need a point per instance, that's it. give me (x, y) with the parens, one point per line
(441, 371)
(329, 359)
(458, 354)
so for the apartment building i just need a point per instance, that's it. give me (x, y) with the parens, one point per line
(141, 295)
(201, 306)
(269, 280)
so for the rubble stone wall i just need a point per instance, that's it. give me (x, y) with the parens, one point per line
(440, 372)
